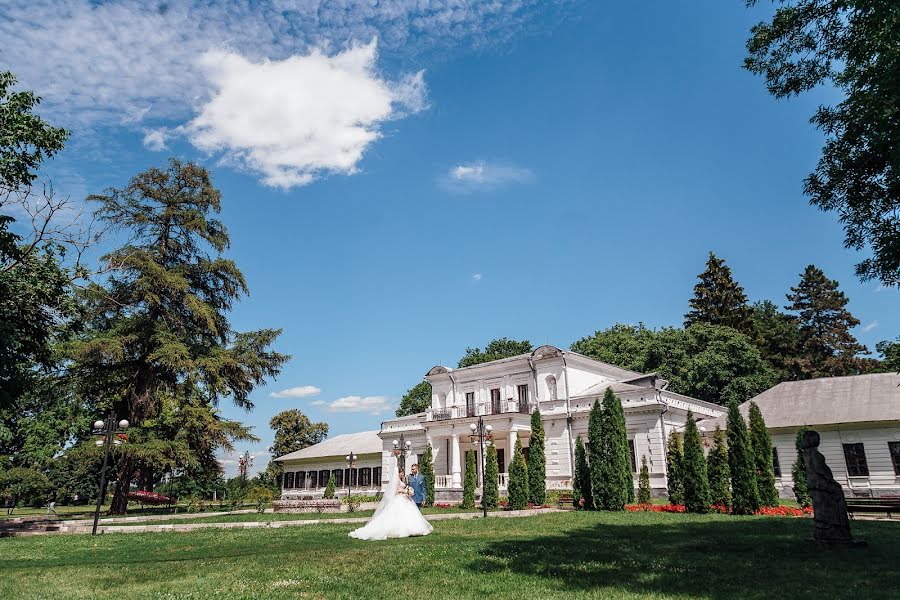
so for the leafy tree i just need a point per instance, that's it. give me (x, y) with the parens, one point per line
(581, 482)
(718, 472)
(850, 47)
(890, 356)
(719, 299)
(329, 487)
(798, 472)
(415, 400)
(491, 491)
(777, 337)
(694, 476)
(517, 488)
(595, 455)
(74, 475)
(26, 486)
(158, 326)
(616, 485)
(471, 481)
(426, 468)
(293, 431)
(827, 348)
(762, 457)
(744, 493)
(537, 461)
(495, 350)
(674, 460)
(643, 496)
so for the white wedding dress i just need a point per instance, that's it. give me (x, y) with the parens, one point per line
(397, 516)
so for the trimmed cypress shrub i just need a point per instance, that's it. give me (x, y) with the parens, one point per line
(471, 481)
(581, 482)
(694, 477)
(491, 490)
(426, 469)
(329, 487)
(517, 489)
(643, 496)
(744, 494)
(762, 457)
(537, 462)
(718, 472)
(615, 463)
(595, 431)
(674, 458)
(798, 473)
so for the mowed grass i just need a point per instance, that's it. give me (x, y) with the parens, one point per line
(269, 517)
(573, 554)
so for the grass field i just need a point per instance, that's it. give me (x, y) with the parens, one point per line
(572, 554)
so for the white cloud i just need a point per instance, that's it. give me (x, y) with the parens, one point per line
(295, 119)
(869, 327)
(369, 404)
(481, 175)
(155, 139)
(302, 391)
(476, 277)
(317, 402)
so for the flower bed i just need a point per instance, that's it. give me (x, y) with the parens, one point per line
(768, 511)
(661, 508)
(151, 498)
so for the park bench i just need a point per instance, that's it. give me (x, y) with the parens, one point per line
(566, 501)
(887, 504)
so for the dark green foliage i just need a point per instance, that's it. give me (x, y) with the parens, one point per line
(581, 482)
(850, 48)
(719, 299)
(798, 473)
(426, 469)
(496, 349)
(595, 433)
(890, 356)
(827, 348)
(537, 461)
(517, 488)
(777, 337)
(491, 491)
(718, 472)
(293, 431)
(744, 493)
(329, 487)
(694, 476)
(415, 400)
(614, 486)
(470, 482)
(24, 486)
(75, 475)
(674, 460)
(643, 496)
(762, 457)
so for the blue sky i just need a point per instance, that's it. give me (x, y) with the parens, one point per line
(428, 181)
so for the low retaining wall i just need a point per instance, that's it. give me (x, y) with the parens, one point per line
(306, 506)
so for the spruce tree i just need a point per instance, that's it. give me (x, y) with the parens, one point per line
(426, 468)
(674, 458)
(595, 432)
(581, 483)
(537, 461)
(491, 491)
(329, 487)
(616, 482)
(694, 476)
(826, 348)
(744, 493)
(719, 299)
(517, 489)
(644, 483)
(471, 481)
(798, 473)
(718, 472)
(762, 457)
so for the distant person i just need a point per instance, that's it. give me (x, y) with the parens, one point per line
(417, 483)
(51, 504)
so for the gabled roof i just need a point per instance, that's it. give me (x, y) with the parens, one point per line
(364, 442)
(827, 401)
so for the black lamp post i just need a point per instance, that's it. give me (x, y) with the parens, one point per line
(351, 462)
(480, 433)
(107, 436)
(401, 448)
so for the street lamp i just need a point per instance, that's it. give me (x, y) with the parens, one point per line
(351, 463)
(406, 445)
(480, 433)
(107, 435)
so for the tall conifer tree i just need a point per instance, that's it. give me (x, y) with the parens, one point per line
(595, 433)
(537, 461)
(581, 483)
(696, 481)
(470, 482)
(762, 457)
(798, 472)
(718, 472)
(674, 458)
(744, 493)
(426, 468)
(644, 483)
(491, 490)
(517, 489)
(616, 482)
(719, 299)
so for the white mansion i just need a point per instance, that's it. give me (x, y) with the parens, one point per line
(563, 385)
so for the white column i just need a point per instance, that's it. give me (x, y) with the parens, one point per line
(456, 466)
(512, 444)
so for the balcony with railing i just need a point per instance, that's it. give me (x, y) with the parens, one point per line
(481, 409)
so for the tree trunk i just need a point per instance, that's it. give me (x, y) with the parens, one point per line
(119, 504)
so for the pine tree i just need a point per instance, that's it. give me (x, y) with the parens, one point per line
(827, 348)
(426, 468)
(329, 487)
(719, 299)
(537, 462)
(696, 481)
(762, 457)
(491, 491)
(517, 489)
(674, 459)
(471, 481)
(616, 482)
(581, 483)
(595, 432)
(744, 493)
(718, 472)
(798, 473)
(644, 483)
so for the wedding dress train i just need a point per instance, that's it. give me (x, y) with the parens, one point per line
(396, 516)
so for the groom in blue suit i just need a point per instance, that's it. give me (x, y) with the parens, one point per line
(417, 482)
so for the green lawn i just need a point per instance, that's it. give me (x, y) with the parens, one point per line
(573, 554)
(248, 517)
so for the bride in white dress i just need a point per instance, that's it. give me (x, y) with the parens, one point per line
(397, 515)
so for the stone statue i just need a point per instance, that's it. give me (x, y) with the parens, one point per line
(829, 505)
(551, 384)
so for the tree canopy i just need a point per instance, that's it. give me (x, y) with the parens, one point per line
(415, 400)
(719, 299)
(496, 349)
(294, 431)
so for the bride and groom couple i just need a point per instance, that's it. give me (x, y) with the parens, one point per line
(398, 515)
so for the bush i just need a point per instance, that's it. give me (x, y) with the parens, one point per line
(718, 471)
(471, 481)
(490, 495)
(643, 496)
(762, 457)
(329, 487)
(744, 494)
(25, 486)
(674, 457)
(798, 473)
(537, 462)
(261, 496)
(517, 488)
(694, 477)
(581, 481)
(426, 468)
